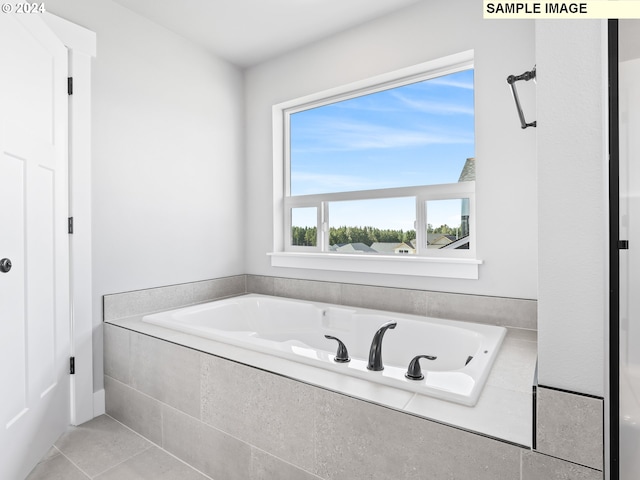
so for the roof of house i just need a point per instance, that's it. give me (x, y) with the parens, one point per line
(439, 238)
(390, 247)
(468, 172)
(385, 246)
(353, 247)
(461, 243)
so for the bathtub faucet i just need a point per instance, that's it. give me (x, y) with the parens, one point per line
(375, 352)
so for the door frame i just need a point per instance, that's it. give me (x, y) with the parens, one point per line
(614, 254)
(81, 45)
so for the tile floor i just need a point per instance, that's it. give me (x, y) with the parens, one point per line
(104, 449)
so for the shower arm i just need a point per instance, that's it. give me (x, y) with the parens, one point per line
(511, 80)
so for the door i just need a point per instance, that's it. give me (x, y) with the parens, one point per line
(34, 291)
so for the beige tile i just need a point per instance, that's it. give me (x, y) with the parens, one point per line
(167, 372)
(515, 366)
(134, 409)
(207, 449)
(536, 466)
(570, 427)
(217, 288)
(506, 312)
(268, 467)
(522, 334)
(100, 444)
(268, 411)
(138, 302)
(116, 353)
(152, 464)
(311, 290)
(57, 467)
(260, 284)
(356, 440)
(385, 298)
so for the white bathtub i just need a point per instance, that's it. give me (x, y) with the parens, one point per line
(296, 330)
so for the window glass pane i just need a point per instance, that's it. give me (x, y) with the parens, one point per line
(448, 224)
(373, 226)
(417, 134)
(304, 226)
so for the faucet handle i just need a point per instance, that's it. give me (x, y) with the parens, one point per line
(342, 356)
(414, 372)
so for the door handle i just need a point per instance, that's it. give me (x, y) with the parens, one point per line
(5, 265)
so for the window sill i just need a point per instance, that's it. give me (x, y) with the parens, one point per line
(466, 268)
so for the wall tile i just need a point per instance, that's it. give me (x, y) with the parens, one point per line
(536, 466)
(268, 411)
(311, 290)
(517, 313)
(139, 302)
(570, 427)
(384, 298)
(134, 409)
(116, 353)
(167, 372)
(260, 284)
(507, 312)
(358, 440)
(209, 450)
(218, 288)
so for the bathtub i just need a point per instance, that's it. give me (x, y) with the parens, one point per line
(295, 330)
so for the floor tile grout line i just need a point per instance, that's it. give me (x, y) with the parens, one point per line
(100, 473)
(158, 446)
(121, 462)
(74, 464)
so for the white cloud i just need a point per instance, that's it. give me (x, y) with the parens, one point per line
(439, 108)
(447, 81)
(349, 136)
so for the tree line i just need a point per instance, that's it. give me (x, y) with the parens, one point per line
(307, 236)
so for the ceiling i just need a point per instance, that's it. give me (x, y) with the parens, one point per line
(247, 32)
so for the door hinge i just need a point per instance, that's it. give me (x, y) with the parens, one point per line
(623, 244)
(70, 225)
(70, 85)
(72, 365)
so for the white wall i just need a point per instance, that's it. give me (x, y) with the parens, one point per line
(629, 96)
(167, 157)
(506, 156)
(573, 213)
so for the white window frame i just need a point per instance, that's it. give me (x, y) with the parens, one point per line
(447, 263)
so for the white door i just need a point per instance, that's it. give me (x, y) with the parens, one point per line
(34, 293)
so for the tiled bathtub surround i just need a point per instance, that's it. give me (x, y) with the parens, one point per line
(137, 302)
(507, 312)
(231, 420)
(252, 424)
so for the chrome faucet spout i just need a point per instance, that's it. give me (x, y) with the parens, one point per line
(375, 352)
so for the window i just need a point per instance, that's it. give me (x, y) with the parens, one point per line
(382, 169)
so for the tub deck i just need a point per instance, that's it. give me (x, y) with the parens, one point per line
(503, 410)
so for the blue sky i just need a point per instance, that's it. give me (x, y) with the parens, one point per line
(418, 134)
